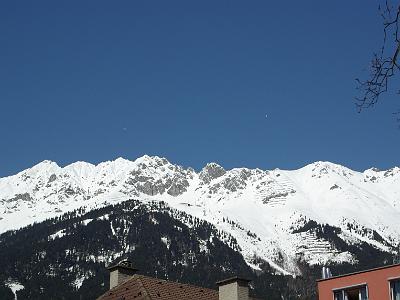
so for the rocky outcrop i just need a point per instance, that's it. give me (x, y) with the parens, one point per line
(211, 171)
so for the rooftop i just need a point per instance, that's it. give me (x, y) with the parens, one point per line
(360, 272)
(141, 287)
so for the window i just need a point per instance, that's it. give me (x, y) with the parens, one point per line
(356, 293)
(395, 289)
(339, 295)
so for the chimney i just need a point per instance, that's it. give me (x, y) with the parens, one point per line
(121, 272)
(326, 273)
(234, 288)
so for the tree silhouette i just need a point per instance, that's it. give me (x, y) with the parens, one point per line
(384, 65)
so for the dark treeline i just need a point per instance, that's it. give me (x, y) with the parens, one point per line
(66, 257)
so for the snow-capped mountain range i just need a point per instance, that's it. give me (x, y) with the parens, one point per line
(266, 211)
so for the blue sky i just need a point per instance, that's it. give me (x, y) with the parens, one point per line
(192, 81)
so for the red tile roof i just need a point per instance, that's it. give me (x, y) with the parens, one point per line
(141, 287)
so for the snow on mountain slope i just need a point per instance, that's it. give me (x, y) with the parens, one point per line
(266, 211)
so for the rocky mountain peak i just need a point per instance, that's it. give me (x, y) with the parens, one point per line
(152, 160)
(211, 171)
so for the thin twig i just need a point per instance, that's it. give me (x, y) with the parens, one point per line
(383, 65)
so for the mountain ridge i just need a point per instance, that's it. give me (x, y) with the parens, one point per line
(266, 206)
(146, 157)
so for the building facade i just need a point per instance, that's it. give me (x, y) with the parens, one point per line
(376, 284)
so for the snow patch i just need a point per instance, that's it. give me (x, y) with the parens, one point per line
(15, 286)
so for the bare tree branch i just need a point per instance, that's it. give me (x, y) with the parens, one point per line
(384, 65)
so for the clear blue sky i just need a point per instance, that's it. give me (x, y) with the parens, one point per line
(192, 81)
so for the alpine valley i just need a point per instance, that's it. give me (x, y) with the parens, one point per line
(60, 226)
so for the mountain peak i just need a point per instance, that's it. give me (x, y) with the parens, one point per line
(43, 166)
(152, 160)
(211, 171)
(80, 168)
(45, 163)
(320, 168)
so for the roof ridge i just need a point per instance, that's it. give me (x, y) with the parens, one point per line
(360, 272)
(177, 282)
